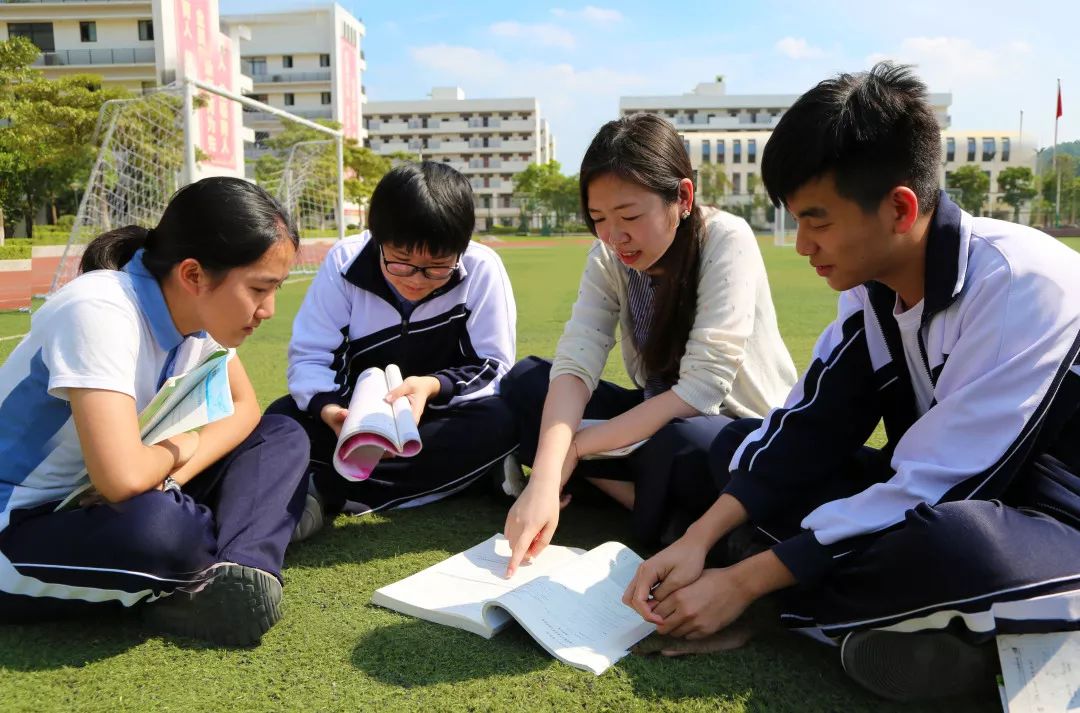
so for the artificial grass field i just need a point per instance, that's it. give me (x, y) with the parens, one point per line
(335, 651)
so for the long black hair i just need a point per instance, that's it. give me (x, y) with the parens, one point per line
(644, 149)
(222, 222)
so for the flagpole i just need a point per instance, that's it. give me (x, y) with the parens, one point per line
(1057, 201)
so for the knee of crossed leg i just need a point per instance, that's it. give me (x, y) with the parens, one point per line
(525, 386)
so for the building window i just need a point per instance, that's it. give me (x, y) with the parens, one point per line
(324, 60)
(325, 97)
(40, 33)
(686, 145)
(290, 99)
(751, 150)
(1006, 145)
(719, 150)
(736, 151)
(989, 148)
(88, 32)
(286, 61)
(950, 149)
(253, 66)
(971, 149)
(706, 151)
(736, 183)
(146, 30)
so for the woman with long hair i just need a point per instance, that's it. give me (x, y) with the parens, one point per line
(688, 291)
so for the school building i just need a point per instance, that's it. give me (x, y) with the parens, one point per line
(732, 130)
(489, 140)
(308, 62)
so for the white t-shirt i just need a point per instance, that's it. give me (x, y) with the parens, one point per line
(107, 330)
(910, 322)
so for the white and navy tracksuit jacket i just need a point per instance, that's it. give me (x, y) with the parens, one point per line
(993, 446)
(463, 334)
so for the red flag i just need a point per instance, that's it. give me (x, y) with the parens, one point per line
(1058, 115)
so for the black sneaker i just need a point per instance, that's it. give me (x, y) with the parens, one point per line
(235, 608)
(314, 516)
(917, 666)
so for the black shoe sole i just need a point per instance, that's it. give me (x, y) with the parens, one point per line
(236, 607)
(916, 666)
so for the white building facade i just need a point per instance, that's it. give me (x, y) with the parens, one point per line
(731, 130)
(992, 152)
(489, 140)
(307, 62)
(112, 38)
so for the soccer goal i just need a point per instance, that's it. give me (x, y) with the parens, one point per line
(149, 148)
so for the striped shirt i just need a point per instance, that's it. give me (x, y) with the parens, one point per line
(641, 294)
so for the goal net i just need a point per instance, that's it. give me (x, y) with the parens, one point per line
(141, 163)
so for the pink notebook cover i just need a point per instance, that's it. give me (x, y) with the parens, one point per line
(358, 456)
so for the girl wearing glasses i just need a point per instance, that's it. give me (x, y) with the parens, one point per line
(687, 288)
(414, 291)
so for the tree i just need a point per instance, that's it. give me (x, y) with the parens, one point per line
(713, 184)
(46, 139)
(543, 188)
(1017, 185)
(973, 184)
(1067, 168)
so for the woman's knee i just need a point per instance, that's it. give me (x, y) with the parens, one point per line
(526, 384)
(723, 447)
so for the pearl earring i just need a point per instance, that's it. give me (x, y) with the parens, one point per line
(685, 214)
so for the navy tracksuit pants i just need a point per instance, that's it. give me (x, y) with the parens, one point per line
(242, 509)
(670, 472)
(460, 444)
(980, 567)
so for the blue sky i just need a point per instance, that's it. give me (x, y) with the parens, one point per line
(996, 58)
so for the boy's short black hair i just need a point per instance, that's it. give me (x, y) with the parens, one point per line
(872, 130)
(423, 206)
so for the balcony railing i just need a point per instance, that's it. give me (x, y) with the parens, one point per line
(70, 2)
(291, 77)
(256, 116)
(77, 58)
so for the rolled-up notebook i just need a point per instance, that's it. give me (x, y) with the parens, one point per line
(374, 427)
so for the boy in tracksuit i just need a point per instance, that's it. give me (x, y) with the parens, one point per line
(962, 334)
(417, 292)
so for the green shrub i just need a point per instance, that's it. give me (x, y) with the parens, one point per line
(14, 252)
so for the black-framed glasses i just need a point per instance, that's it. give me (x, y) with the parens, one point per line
(405, 269)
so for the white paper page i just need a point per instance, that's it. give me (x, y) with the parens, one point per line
(184, 403)
(404, 424)
(175, 389)
(1041, 671)
(460, 585)
(367, 410)
(577, 613)
(620, 452)
(210, 400)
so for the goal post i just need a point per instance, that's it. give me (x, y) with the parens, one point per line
(148, 148)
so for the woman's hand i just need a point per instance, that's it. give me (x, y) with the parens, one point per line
(532, 521)
(182, 446)
(418, 390)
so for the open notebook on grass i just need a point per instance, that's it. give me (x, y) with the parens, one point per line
(184, 403)
(374, 427)
(570, 601)
(1040, 672)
